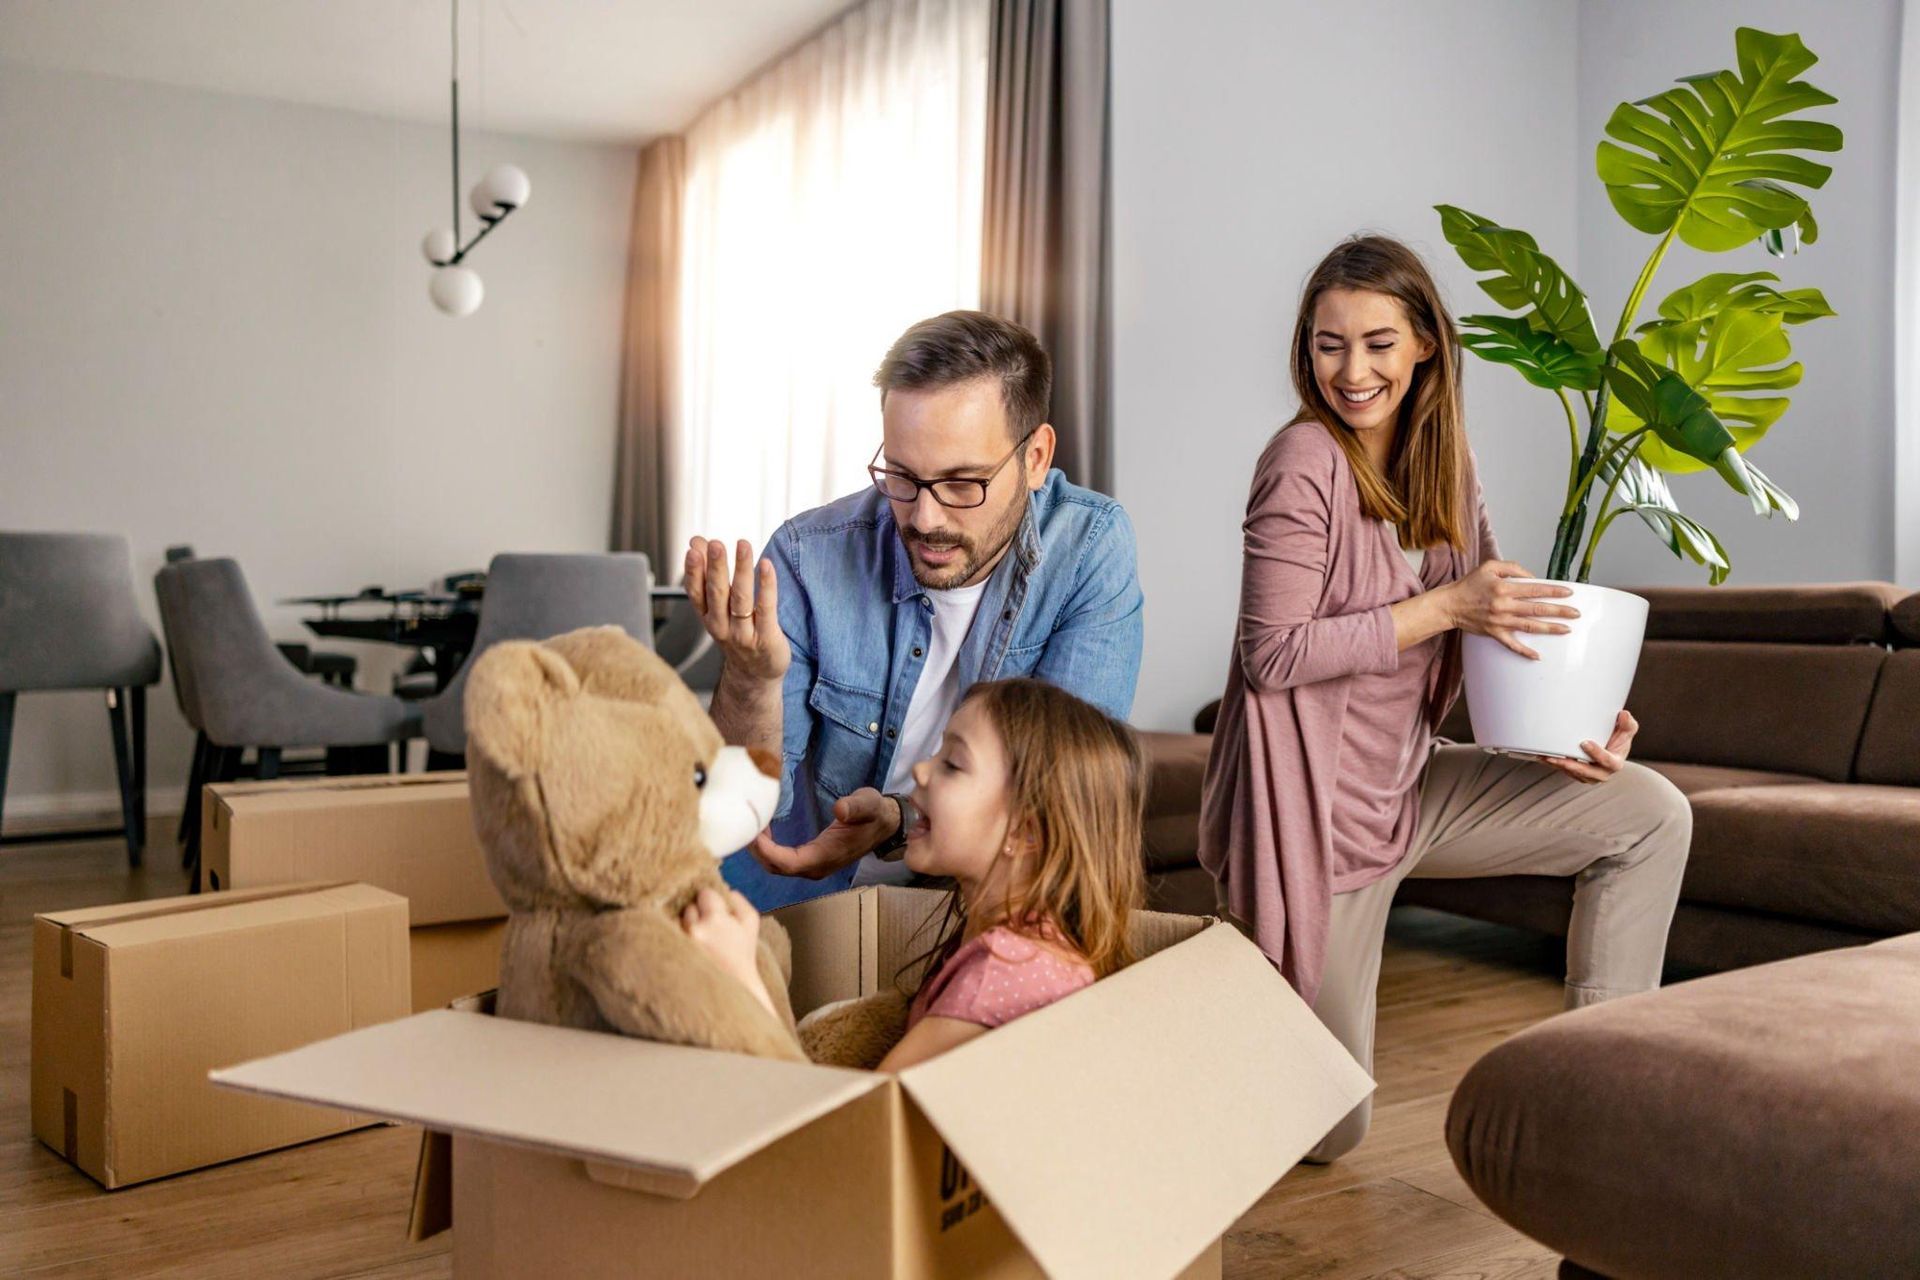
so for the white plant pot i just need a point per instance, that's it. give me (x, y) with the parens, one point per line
(1576, 689)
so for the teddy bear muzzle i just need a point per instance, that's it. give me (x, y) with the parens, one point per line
(737, 801)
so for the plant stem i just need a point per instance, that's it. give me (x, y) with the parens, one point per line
(1566, 539)
(1599, 529)
(1573, 439)
(1628, 441)
(1603, 516)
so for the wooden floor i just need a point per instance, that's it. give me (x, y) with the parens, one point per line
(1395, 1208)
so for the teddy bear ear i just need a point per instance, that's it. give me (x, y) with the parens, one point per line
(507, 693)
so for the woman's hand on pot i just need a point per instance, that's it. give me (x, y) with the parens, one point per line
(1491, 601)
(1607, 760)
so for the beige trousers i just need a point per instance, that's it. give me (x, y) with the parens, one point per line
(1623, 841)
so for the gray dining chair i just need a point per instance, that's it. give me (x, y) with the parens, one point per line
(537, 597)
(683, 641)
(245, 694)
(68, 621)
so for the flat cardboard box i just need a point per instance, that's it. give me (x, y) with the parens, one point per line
(454, 960)
(133, 1004)
(410, 834)
(1117, 1133)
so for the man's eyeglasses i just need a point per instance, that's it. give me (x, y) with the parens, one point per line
(953, 492)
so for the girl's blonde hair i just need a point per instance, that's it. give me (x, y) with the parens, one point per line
(1079, 778)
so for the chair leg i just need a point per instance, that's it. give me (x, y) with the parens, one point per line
(138, 696)
(123, 766)
(6, 748)
(196, 775)
(268, 766)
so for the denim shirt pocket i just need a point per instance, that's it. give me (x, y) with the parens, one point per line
(846, 735)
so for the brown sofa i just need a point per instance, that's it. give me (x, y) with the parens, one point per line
(1759, 1123)
(1790, 716)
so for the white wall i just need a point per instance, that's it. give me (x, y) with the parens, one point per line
(216, 331)
(1835, 448)
(1248, 137)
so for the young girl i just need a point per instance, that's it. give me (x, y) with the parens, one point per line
(1033, 807)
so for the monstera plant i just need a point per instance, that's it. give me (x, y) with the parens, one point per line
(1713, 163)
(1720, 162)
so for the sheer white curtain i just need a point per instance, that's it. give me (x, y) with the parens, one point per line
(830, 202)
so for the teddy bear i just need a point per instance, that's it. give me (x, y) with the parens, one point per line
(604, 798)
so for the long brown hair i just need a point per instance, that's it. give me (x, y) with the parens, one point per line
(1079, 777)
(1423, 490)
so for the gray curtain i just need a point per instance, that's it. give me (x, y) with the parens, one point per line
(642, 515)
(1044, 250)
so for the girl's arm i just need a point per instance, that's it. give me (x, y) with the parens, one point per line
(931, 1036)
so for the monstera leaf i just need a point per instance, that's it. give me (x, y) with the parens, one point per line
(1541, 358)
(1711, 159)
(1524, 278)
(1726, 358)
(1640, 489)
(1680, 419)
(1723, 290)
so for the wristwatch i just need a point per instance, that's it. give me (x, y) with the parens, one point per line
(895, 846)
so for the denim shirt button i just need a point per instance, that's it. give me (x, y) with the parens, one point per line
(916, 651)
(1008, 615)
(890, 734)
(873, 727)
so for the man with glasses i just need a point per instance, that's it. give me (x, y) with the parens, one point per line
(969, 559)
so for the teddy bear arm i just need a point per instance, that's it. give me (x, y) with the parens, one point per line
(649, 980)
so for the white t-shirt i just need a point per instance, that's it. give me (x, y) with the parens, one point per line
(935, 698)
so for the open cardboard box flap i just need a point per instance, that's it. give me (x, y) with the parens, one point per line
(1227, 1077)
(576, 1093)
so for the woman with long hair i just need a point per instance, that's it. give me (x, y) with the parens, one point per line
(1367, 552)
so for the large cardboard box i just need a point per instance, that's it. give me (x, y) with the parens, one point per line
(1117, 1133)
(454, 960)
(410, 834)
(133, 1005)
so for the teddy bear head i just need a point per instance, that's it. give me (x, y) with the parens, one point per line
(596, 778)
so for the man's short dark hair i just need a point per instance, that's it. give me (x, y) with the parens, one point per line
(963, 345)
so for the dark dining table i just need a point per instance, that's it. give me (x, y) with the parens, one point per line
(441, 625)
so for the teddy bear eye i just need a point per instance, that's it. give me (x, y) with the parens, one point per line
(699, 777)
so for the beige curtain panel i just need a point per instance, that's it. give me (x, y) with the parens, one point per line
(643, 514)
(1044, 252)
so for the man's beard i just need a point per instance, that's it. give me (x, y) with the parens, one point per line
(971, 557)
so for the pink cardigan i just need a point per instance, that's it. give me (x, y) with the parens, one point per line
(1309, 794)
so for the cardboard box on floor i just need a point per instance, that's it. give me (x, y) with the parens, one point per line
(454, 960)
(1117, 1133)
(134, 1003)
(409, 834)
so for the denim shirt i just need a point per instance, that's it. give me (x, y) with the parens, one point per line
(1063, 605)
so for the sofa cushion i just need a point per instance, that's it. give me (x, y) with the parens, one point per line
(1712, 777)
(1176, 772)
(1905, 619)
(1783, 708)
(1890, 744)
(1757, 1123)
(1826, 613)
(1847, 854)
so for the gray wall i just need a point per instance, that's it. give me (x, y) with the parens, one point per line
(217, 332)
(1248, 137)
(1835, 449)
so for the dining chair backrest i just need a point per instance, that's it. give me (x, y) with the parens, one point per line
(168, 592)
(68, 617)
(537, 597)
(223, 657)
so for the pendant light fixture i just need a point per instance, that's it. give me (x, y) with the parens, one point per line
(456, 288)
